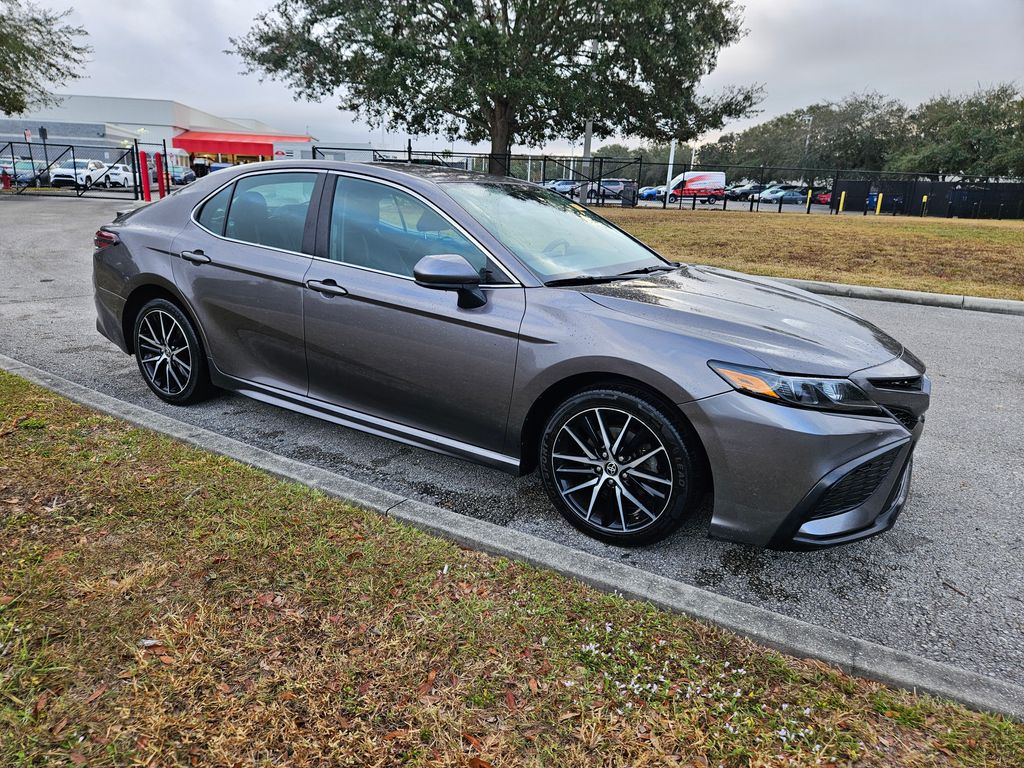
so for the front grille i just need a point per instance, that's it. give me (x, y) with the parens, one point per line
(855, 488)
(903, 384)
(905, 416)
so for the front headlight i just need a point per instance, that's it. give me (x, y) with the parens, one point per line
(824, 394)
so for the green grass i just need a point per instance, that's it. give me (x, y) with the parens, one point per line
(162, 605)
(977, 258)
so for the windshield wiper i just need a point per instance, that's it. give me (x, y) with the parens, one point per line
(583, 280)
(649, 270)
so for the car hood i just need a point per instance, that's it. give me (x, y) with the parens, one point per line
(790, 330)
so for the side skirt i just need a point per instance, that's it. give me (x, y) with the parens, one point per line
(365, 423)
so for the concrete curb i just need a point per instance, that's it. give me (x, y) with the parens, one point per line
(791, 636)
(948, 300)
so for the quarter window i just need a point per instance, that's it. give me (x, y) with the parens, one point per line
(270, 209)
(379, 227)
(214, 210)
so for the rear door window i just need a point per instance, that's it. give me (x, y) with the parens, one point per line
(270, 209)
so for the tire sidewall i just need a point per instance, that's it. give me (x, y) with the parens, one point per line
(198, 386)
(673, 436)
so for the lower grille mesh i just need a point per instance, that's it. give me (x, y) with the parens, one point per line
(905, 417)
(855, 488)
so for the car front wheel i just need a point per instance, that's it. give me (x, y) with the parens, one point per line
(169, 354)
(619, 467)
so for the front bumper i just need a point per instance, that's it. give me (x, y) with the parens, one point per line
(793, 478)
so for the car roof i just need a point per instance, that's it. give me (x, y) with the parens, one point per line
(385, 169)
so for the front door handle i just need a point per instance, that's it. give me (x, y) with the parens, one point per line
(196, 257)
(327, 287)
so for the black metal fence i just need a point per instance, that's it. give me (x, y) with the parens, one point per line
(601, 180)
(40, 168)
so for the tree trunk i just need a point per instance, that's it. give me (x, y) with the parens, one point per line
(501, 137)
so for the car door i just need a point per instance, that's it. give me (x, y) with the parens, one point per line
(378, 343)
(241, 262)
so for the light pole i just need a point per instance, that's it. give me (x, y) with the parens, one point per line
(809, 120)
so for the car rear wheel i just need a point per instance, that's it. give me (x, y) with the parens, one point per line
(619, 467)
(169, 354)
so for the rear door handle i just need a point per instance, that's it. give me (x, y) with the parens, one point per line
(327, 287)
(196, 257)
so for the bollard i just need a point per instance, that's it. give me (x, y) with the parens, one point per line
(160, 183)
(780, 203)
(810, 192)
(924, 205)
(999, 215)
(693, 206)
(878, 204)
(147, 194)
(842, 201)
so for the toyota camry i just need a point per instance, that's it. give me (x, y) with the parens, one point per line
(493, 320)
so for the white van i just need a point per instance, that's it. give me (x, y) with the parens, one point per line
(709, 185)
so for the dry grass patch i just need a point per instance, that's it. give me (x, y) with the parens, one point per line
(163, 606)
(977, 258)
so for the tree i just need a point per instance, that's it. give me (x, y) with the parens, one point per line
(975, 136)
(38, 51)
(507, 71)
(860, 131)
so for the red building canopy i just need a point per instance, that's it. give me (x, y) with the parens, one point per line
(231, 143)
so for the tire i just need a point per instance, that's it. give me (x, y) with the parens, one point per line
(183, 378)
(672, 198)
(606, 497)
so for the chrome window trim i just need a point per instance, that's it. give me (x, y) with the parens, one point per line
(455, 225)
(366, 177)
(201, 203)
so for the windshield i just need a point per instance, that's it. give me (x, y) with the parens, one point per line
(74, 163)
(556, 238)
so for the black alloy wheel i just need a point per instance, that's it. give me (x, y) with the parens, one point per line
(169, 354)
(619, 467)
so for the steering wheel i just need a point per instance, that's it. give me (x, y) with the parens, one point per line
(559, 243)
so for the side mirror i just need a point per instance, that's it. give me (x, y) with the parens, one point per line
(451, 272)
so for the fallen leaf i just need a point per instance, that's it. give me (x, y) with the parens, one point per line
(353, 556)
(59, 727)
(473, 742)
(287, 696)
(567, 716)
(96, 694)
(479, 762)
(6, 599)
(77, 758)
(166, 659)
(533, 685)
(395, 735)
(224, 688)
(427, 684)
(510, 700)
(40, 704)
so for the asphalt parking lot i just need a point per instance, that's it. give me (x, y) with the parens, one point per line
(946, 583)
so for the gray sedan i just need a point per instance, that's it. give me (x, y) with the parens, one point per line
(491, 319)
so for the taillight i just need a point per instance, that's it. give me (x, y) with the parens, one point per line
(104, 239)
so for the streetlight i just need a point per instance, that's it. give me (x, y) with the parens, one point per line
(808, 120)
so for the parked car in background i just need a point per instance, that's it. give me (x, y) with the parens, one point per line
(638, 387)
(565, 187)
(182, 175)
(794, 196)
(823, 198)
(744, 191)
(78, 173)
(31, 172)
(606, 189)
(772, 194)
(652, 193)
(121, 175)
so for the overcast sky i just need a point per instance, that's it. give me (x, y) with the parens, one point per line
(802, 51)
